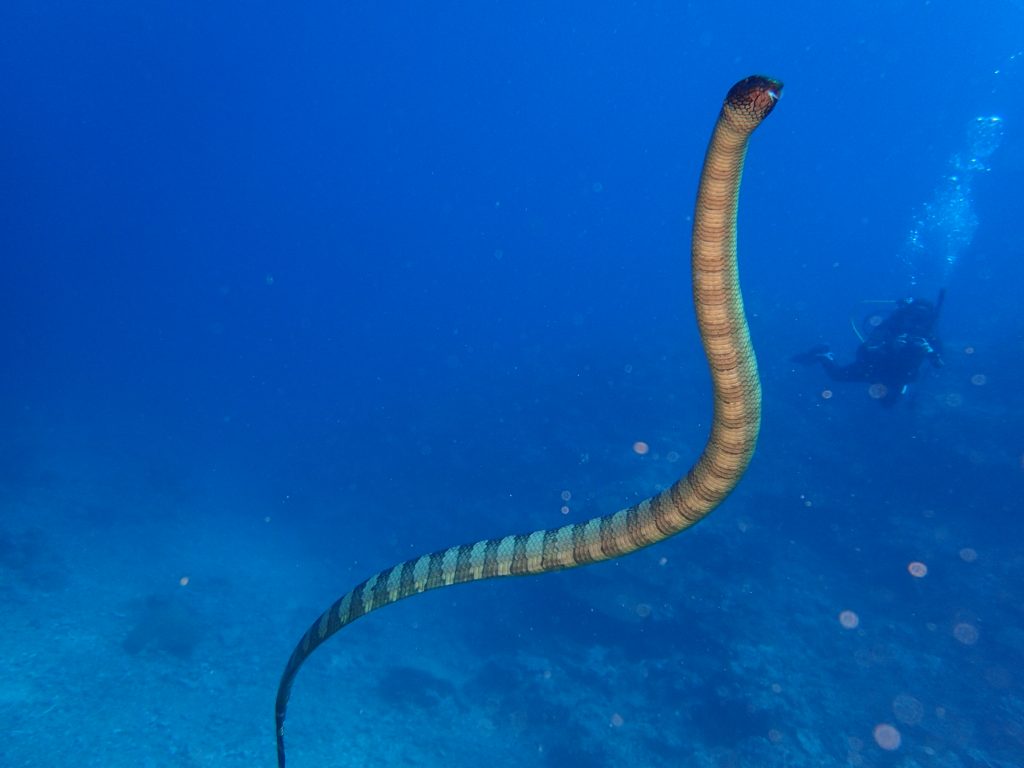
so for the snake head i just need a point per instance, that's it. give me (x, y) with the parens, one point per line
(754, 97)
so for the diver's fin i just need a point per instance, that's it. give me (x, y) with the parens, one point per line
(939, 301)
(812, 355)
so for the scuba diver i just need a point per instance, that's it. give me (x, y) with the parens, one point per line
(891, 354)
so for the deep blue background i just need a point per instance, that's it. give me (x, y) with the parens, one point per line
(285, 218)
(430, 254)
(256, 227)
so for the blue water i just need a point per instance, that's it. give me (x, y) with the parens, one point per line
(290, 294)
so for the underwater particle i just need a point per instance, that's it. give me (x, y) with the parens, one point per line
(968, 350)
(564, 510)
(662, 561)
(597, 186)
(966, 633)
(672, 457)
(917, 569)
(979, 379)
(643, 610)
(776, 688)
(849, 620)
(266, 519)
(640, 448)
(877, 391)
(774, 735)
(269, 279)
(887, 737)
(826, 394)
(968, 555)
(183, 581)
(566, 495)
(616, 720)
(907, 709)
(499, 254)
(954, 399)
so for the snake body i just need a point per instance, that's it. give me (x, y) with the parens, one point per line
(735, 423)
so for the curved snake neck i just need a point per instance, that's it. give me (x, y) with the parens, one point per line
(735, 423)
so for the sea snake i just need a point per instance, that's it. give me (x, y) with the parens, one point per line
(734, 428)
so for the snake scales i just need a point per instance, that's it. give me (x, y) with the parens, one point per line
(735, 423)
